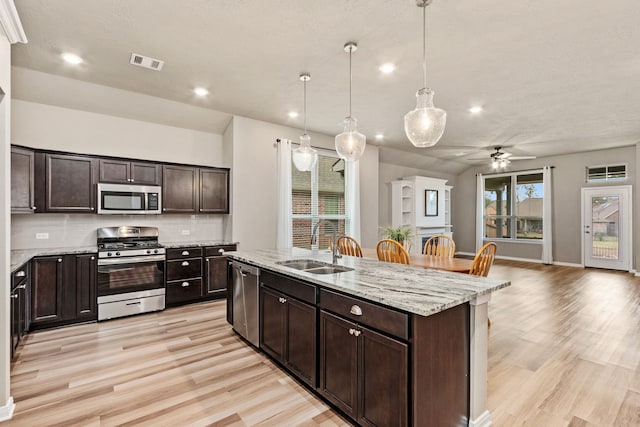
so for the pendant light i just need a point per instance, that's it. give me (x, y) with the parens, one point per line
(350, 143)
(304, 157)
(424, 126)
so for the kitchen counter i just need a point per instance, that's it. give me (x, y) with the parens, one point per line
(412, 289)
(201, 243)
(19, 257)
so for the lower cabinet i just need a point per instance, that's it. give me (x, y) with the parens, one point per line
(363, 373)
(216, 274)
(184, 275)
(63, 290)
(19, 307)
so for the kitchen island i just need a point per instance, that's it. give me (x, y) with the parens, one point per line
(387, 344)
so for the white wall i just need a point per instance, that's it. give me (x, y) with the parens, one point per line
(56, 128)
(5, 223)
(254, 182)
(568, 178)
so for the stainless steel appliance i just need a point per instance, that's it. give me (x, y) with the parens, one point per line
(129, 199)
(245, 301)
(131, 273)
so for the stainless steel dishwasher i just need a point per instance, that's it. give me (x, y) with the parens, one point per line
(245, 301)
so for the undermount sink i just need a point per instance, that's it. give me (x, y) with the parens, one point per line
(313, 266)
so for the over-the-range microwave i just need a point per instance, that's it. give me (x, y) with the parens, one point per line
(129, 199)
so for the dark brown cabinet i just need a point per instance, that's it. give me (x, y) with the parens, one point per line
(187, 189)
(22, 179)
(214, 191)
(179, 189)
(128, 172)
(19, 306)
(65, 183)
(288, 325)
(63, 290)
(216, 273)
(356, 363)
(184, 275)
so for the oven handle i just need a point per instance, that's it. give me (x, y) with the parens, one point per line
(131, 260)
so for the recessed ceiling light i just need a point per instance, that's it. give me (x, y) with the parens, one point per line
(200, 91)
(72, 58)
(293, 114)
(387, 68)
(379, 136)
(475, 109)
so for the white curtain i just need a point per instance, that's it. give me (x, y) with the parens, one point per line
(547, 221)
(479, 211)
(352, 197)
(284, 238)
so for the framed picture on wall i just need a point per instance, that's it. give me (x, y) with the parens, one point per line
(430, 202)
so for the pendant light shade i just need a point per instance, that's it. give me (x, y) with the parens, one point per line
(425, 124)
(350, 143)
(304, 157)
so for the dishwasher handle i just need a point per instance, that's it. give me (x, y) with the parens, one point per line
(245, 269)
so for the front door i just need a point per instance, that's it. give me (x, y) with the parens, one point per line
(606, 227)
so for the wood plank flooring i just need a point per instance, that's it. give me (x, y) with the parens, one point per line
(564, 351)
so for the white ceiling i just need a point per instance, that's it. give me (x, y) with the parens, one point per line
(553, 76)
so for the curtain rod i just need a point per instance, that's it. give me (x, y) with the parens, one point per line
(508, 172)
(297, 143)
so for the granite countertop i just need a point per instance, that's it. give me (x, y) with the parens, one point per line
(19, 257)
(198, 243)
(412, 289)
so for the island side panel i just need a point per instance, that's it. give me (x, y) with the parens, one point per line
(440, 368)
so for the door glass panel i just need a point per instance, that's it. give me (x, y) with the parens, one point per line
(605, 215)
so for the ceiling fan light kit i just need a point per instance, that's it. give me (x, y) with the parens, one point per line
(425, 124)
(350, 143)
(305, 157)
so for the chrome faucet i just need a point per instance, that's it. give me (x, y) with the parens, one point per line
(314, 238)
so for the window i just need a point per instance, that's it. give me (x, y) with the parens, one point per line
(606, 173)
(513, 206)
(318, 194)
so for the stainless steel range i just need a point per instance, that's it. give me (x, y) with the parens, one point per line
(131, 274)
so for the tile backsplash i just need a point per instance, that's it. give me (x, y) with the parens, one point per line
(75, 230)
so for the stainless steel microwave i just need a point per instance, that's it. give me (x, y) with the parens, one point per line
(129, 199)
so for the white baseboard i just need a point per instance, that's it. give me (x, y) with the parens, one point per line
(6, 411)
(568, 264)
(512, 258)
(466, 253)
(484, 420)
(535, 261)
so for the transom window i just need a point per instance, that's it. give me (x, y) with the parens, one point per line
(513, 206)
(606, 173)
(318, 194)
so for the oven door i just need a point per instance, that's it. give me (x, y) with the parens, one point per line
(132, 274)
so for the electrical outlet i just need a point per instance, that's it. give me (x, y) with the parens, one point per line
(185, 232)
(42, 236)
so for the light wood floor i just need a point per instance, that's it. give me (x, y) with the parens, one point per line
(564, 351)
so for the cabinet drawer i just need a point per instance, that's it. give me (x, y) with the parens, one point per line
(375, 316)
(180, 253)
(302, 291)
(183, 290)
(184, 269)
(215, 250)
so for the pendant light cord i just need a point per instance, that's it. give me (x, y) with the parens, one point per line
(424, 43)
(304, 112)
(350, 79)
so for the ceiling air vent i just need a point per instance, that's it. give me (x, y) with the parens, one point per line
(146, 62)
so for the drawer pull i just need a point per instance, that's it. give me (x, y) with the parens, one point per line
(185, 253)
(59, 259)
(356, 310)
(356, 333)
(185, 263)
(133, 303)
(282, 300)
(220, 251)
(21, 273)
(185, 284)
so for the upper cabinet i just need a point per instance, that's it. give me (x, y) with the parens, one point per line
(127, 172)
(22, 177)
(214, 190)
(187, 189)
(66, 183)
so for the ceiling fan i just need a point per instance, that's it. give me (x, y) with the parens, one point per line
(500, 159)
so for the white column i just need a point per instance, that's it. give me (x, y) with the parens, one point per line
(479, 415)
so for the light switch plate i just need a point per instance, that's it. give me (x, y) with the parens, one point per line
(42, 236)
(185, 232)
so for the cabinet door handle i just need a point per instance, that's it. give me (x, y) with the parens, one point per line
(356, 310)
(185, 263)
(351, 331)
(220, 251)
(22, 286)
(14, 296)
(59, 259)
(356, 333)
(164, 209)
(185, 253)
(33, 208)
(93, 258)
(185, 284)
(21, 273)
(282, 300)
(93, 209)
(207, 259)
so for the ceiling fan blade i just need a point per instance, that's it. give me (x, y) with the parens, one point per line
(521, 157)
